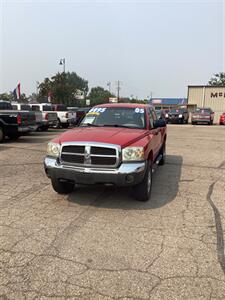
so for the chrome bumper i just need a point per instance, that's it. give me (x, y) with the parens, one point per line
(127, 174)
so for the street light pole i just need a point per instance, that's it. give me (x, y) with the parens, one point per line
(63, 62)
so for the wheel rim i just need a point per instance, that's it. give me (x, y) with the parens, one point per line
(149, 180)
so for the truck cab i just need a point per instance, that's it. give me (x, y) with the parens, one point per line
(65, 117)
(49, 117)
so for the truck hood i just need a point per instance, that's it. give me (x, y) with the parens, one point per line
(118, 136)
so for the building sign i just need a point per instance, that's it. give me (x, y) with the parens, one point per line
(217, 95)
(156, 101)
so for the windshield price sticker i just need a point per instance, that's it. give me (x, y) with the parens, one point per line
(89, 119)
(93, 113)
(139, 110)
(98, 109)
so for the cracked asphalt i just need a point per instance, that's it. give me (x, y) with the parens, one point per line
(99, 243)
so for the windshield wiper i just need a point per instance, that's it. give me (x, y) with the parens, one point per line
(116, 125)
(88, 125)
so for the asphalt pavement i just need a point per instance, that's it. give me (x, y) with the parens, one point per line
(100, 243)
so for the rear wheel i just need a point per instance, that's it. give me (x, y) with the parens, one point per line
(14, 136)
(142, 191)
(44, 128)
(193, 123)
(2, 135)
(65, 125)
(62, 187)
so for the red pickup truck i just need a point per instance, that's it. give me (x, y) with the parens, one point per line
(117, 144)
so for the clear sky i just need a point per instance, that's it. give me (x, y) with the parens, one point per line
(151, 46)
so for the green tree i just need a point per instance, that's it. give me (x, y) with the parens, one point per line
(99, 95)
(63, 88)
(217, 80)
(7, 97)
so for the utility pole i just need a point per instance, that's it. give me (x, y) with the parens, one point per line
(63, 62)
(109, 86)
(118, 84)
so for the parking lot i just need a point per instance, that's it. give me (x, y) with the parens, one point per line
(99, 243)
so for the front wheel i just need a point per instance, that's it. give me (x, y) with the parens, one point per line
(14, 136)
(163, 153)
(62, 187)
(142, 191)
(65, 125)
(2, 135)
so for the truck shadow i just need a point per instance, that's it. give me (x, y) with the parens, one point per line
(164, 190)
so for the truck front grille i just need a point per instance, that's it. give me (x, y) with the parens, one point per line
(90, 155)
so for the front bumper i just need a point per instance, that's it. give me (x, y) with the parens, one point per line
(201, 120)
(127, 174)
(175, 120)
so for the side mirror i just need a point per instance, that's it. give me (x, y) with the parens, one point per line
(159, 123)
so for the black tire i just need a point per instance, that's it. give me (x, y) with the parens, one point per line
(2, 135)
(62, 187)
(193, 123)
(44, 128)
(14, 136)
(58, 124)
(209, 123)
(163, 153)
(142, 191)
(65, 125)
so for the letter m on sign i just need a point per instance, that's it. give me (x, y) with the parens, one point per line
(214, 95)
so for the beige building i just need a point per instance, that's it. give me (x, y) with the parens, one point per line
(207, 96)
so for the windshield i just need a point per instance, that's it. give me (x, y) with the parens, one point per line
(47, 108)
(203, 110)
(25, 107)
(115, 117)
(176, 111)
(60, 108)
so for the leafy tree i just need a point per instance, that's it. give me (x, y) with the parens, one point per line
(7, 97)
(63, 88)
(217, 80)
(99, 95)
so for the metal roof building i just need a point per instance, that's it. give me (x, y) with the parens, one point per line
(207, 96)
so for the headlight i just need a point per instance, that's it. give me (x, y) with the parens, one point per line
(180, 116)
(133, 153)
(53, 149)
(167, 115)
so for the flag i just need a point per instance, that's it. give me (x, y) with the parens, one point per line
(16, 92)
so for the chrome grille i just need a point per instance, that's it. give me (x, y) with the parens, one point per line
(87, 154)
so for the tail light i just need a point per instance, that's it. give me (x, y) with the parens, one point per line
(46, 116)
(19, 119)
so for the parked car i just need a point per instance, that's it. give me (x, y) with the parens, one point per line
(26, 107)
(49, 118)
(116, 144)
(179, 115)
(26, 120)
(222, 119)
(65, 117)
(202, 115)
